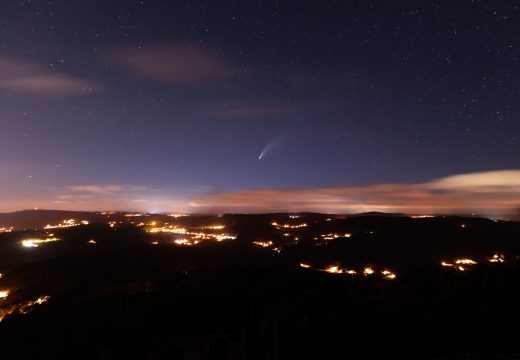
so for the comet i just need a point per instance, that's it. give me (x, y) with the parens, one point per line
(266, 149)
(270, 146)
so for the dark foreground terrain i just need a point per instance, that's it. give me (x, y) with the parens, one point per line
(277, 286)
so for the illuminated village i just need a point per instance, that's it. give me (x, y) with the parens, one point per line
(185, 231)
(66, 260)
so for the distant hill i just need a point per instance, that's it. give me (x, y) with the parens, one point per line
(32, 219)
(376, 214)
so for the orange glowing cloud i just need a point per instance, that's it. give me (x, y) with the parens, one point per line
(104, 189)
(175, 63)
(496, 192)
(493, 193)
(23, 76)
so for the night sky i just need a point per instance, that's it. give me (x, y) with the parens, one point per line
(333, 106)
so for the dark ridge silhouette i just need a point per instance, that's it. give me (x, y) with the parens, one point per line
(33, 219)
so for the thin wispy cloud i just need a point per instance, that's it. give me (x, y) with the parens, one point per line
(176, 63)
(495, 192)
(18, 75)
(103, 189)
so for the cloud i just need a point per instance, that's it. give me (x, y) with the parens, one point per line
(496, 192)
(27, 77)
(103, 189)
(95, 197)
(491, 181)
(174, 63)
(493, 193)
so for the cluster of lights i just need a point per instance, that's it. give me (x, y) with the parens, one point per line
(167, 229)
(263, 243)
(222, 237)
(135, 215)
(38, 301)
(334, 269)
(178, 215)
(112, 224)
(497, 258)
(458, 264)
(32, 243)
(465, 262)
(367, 271)
(186, 242)
(66, 224)
(205, 236)
(422, 216)
(267, 244)
(335, 236)
(213, 227)
(6, 229)
(288, 226)
(195, 237)
(22, 308)
(388, 274)
(462, 264)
